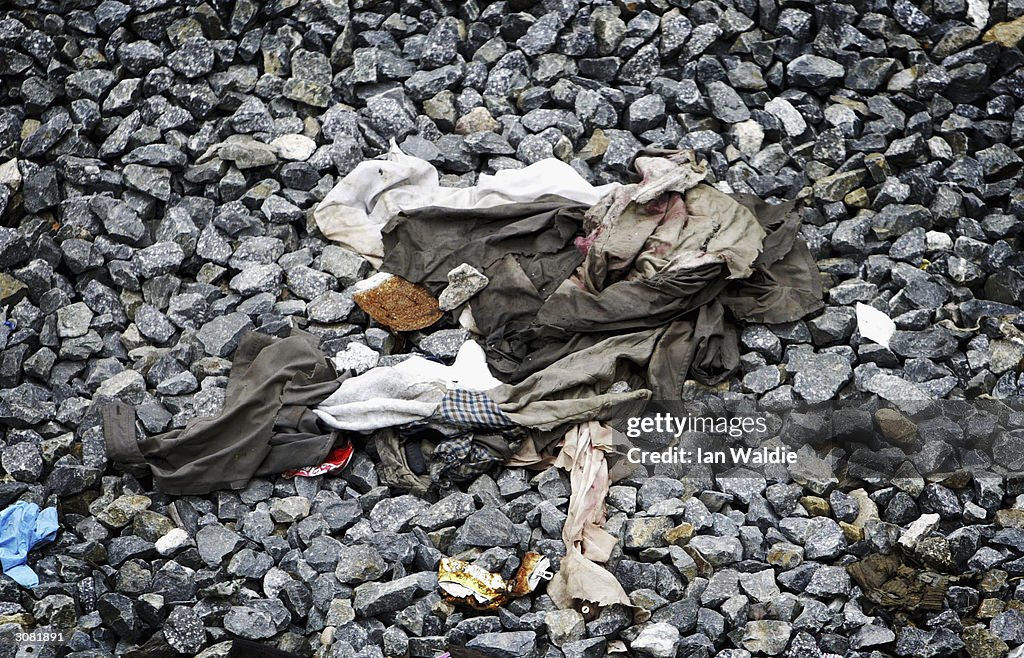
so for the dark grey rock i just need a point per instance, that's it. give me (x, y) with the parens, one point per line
(834, 325)
(258, 619)
(719, 551)
(13, 249)
(23, 461)
(814, 72)
(645, 114)
(910, 17)
(725, 103)
(540, 37)
(215, 542)
(46, 136)
(156, 155)
(450, 510)
(870, 73)
(221, 335)
(307, 283)
(934, 343)
(1005, 286)
(374, 598)
(193, 59)
(642, 67)
(153, 324)
(818, 377)
(343, 265)
(154, 181)
(622, 148)
(590, 648)
(118, 612)
(516, 644)
(442, 42)
(74, 320)
(444, 343)
(488, 527)
(359, 564)
(157, 259)
(184, 630)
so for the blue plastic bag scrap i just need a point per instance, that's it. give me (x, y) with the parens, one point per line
(23, 526)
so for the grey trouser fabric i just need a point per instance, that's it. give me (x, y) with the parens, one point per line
(266, 426)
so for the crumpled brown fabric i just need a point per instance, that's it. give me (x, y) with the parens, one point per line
(668, 261)
(526, 250)
(638, 236)
(266, 425)
(393, 467)
(785, 284)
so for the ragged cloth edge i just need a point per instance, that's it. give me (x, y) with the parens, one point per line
(580, 578)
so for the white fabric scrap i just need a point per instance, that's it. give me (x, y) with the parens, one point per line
(380, 397)
(469, 370)
(874, 325)
(409, 391)
(354, 211)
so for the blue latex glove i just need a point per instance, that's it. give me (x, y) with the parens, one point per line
(23, 526)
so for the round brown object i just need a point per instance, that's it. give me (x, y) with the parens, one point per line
(399, 305)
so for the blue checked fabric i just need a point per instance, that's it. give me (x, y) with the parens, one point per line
(472, 410)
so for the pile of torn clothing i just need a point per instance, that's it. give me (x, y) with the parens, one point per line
(288, 410)
(588, 286)
(640, 287)
(597, 299)
(590, 308)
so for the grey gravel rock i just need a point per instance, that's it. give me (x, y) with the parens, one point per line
(73, 320)
(463, 282)
(814, 72)
(345, 266)
(657, 640)
(260, 619)
(160, 258)
(184, 631)
(766, 636)
(719, 551)
(23, 461)
(375, 598)
(330, 307)
(359, 564)
(514, 644)
(216, 542)
(726, 104)
(221, 335)
(444, 343)
(819, 377)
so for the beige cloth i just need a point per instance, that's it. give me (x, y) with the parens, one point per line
(699, 226)
(580, 579)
